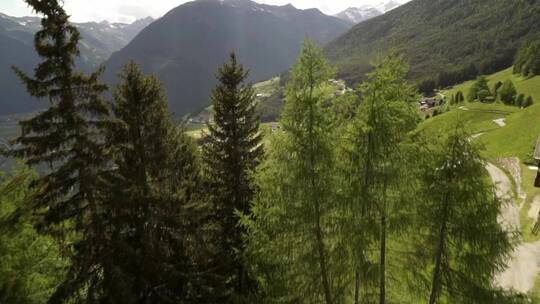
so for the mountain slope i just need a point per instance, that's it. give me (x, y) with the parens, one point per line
(439, 35)
(99, 41)
(186, 46)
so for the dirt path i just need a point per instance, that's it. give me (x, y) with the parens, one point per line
(510, 210)
(535, 209)
(524, 266)
(501, 122)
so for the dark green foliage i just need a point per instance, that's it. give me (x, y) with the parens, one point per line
(427, 87)
(30, 264)
(270, 108)
(452, 77)
(69, 200)
(157, 228)
(460, 97)
(496, 88)
(460, 255)
(528, 102)
(440, 36)
(527, 62)
(479, 91)
(520, 100)
(507, 93)
(231, 153)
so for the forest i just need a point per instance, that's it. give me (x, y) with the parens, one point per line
(347, 202)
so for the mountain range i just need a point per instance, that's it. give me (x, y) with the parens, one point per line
(185, 47)
(99, 41)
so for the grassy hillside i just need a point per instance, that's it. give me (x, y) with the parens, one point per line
(516, 139)
(440, 35)
(523, 126)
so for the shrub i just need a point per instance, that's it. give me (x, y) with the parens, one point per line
(520, 100)
(507, 92)
(479, 90)
(528, 102)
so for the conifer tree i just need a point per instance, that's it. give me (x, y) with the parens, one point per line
(231, 153)
(156, 199)
(520, 100)
(508, 93)
(528, 102)
(69, 199)
(293, 233)
(371, 166)
(479, 91)
(460, 97)
(462, 244)
(453, 99)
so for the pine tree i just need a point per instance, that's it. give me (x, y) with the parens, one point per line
(69, 199)
(528, 102)
(231, 153)
(508, 93)
(293, 232)
(156, 198)
(460, 97)
(479, 91)
(520, 100)
(371, 165)
(462, 245)
(527, 61)
(496, 88)
(453, 99)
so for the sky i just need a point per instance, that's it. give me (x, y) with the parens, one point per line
(131, 10)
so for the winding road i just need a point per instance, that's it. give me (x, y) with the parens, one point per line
(524, 266)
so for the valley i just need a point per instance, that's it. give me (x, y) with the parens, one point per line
(234, 151)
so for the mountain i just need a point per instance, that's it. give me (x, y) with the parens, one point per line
(356, 15)
(186, 46)
(439, 36)
(387, 6)
(99, 41)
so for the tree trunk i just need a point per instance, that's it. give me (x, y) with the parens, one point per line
(318, 230)
(436, 284)
(357, 287)
(382, 267)
(322, 261)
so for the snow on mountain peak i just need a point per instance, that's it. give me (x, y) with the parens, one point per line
(366, 11)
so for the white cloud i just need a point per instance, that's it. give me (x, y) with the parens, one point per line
(130, 10)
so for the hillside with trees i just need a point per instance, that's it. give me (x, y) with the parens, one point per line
(445, 41)
(527, 62)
